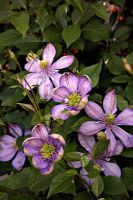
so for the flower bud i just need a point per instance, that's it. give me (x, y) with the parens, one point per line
(31, 56)
(101, 135)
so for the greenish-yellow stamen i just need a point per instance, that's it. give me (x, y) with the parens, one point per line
(101, 135)
(47, 150)
(109, 118)
(43, 63)
(73, 99)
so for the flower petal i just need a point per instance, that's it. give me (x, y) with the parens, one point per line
(8, 140)
(86, 180)
(63, 62)
(126, 138)
(31, 80)
(119, 148)
(15, 130)
(59, 137)
(94, 111)
(32, 146)
(45, 89)
(55, 77)
(84, 85)
(112, 145)
(47, 170)
(86, 141)
(33, 66)
(125, 117)
(60, 112)
(91, 128)
(109, 102)
(82, 103)
(27, 132)
(111, 169)
(19, 161)
(6, 154)
(39, 162)
(40, 131)
(49, 53)
(60, 93)
(60, 154)
(70, 81)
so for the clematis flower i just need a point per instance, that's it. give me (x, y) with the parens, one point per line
(45, 149)
(72, 93)
(102, 164)
(44, 73)
(9, 149)
(109, 121)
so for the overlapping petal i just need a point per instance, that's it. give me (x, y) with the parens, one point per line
(49, 53)
(47, 170)
(60, 112)
(63, 62)
(19, 160)
(94, 111)
(33, 66)
(70, 81)
(60, 93)
(84, 85)
(8, 140)
(39, 162)
(15, 130)
(31, 80)
(126, 138)
(86, 141)
(111, 169)
(45, 89)
(112, 145)
(91, 128)
(109, 102)
(125, 117)
(40, 131)
(32, 146)
(6, 153)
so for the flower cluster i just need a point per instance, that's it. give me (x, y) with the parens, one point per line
(71, 91)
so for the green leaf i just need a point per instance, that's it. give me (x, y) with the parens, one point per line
(62, 182)
(28, 107)
(99, 148)
(127, 153)
(121, 102)
(93, 72)
(121, 79)
(83, 196)
(41, 16)
(71, 34)
(114, 64)
(3, 196)
(96, 31)
(9, 37)
(97, 186)
(113, 185)
(127, 177)
(129, 58)
(99, 10)
(75, 126)
(122, 33)
(52, 34)
(38, 183)
(78, 4)
(129, 92)
(1, 122)
(72, 156)
(17, 181)
(21, 22)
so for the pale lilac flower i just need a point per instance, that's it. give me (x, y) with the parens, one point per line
(109, 121)
(72, 93)
(9, 149)
(102, 164)
(44, 73)
(45, 149)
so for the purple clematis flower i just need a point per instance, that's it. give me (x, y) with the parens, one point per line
(72, 92)
(102, 164)
(45, 149)
(43, 72)
(109, 121)
(9, 148)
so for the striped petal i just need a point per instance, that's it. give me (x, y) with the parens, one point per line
(49, 53)
(47, 170)
(125, 117)
(84, 85)
(60, 112)
(111, 169)
(40, 131)
(60, 93)
(33, 66)
(15, 130)
(110, 102)
(86, 141)
(70, 81)
(112, 145)
(39, 162)
(19, 161)
(63, 62)
(94, 111)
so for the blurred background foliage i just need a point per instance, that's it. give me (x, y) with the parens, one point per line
(102, 42)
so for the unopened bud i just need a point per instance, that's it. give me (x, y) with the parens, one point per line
(97, 167)
(101, 135)
(127, 66)
(12, 55)
(31, 56)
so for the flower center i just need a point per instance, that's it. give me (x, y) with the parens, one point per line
(73, 99)
(47, 150)
(109, 118)
(43, 63)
